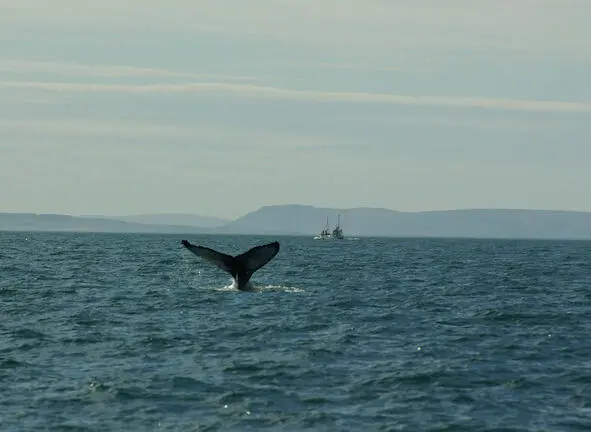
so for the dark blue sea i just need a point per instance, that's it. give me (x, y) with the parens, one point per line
(128, 332)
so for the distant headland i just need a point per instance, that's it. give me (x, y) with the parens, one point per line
(307, 220)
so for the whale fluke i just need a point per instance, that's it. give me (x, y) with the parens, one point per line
(242, 266)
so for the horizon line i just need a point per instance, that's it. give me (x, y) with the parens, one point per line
(317, 207)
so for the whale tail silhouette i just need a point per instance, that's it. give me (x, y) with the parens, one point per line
(242, 266)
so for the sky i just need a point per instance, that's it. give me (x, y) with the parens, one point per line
(220, 107)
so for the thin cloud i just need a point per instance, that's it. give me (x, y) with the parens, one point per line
(223, 137)
(103, 71)
(248, 90)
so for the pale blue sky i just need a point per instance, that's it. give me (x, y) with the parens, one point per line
(220, 107)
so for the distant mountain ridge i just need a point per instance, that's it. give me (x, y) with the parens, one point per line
(57, 222)
(171, 219)
(477, 223)
(296, 219)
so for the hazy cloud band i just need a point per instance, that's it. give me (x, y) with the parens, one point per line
(248, 90)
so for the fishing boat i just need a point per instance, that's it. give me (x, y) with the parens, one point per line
(327, 234)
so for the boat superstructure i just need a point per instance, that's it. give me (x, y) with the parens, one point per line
(337, 232)
(328, 234)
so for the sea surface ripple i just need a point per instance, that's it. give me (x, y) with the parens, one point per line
(131, 332)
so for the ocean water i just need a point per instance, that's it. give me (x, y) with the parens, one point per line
(128, 332)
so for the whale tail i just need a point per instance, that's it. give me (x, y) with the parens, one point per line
(242, 266)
